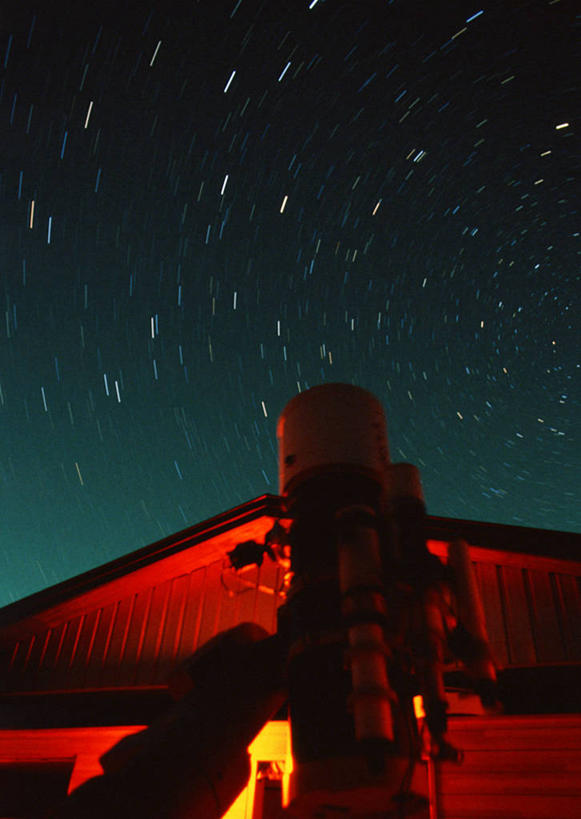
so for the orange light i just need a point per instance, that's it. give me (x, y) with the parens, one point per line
(419, 706)
(272, 743)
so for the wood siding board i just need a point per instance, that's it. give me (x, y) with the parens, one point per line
(50, 666)
(42, 677)
(570, 601)
(487, 579)
(90, 650)
(12, 675)
(495, 760)
(485, 806)
(265, 608)
(211, 603)
(228, 609)
(516, 782)
(15, 653)
(514, 767)
(117, 641)
(86, 637)
(172, 629)
(44, 641)
(520, 640)
(538, 733)
(183, 597)
(128, 665)
(24, 675)
(127, 627)
(247, 602)
(546, 629)
(143, 632)
(27, 677)
(33, 643)
(165, 607)
(192, 615)
(70, 639)
(52, 648)
(153, 627)
(75, 646)
(99, 643)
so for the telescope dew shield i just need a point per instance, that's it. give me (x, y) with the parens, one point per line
(334, 428)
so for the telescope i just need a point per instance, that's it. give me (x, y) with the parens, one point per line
(370, 618)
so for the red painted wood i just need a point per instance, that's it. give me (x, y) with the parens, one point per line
(135, 634)
(76, 673)
(570, 602)
(154, 624)
(100, 644)
(192, 615)
(171, 635)
(211, 603)
(546, 632)
(69, 646)
(527, 767)
(496, 806)
(521, 648)
(488, 583)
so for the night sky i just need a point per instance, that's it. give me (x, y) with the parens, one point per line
(209, 206)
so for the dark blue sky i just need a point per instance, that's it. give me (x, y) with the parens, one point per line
(209, 206)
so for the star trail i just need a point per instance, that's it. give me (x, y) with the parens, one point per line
(209, 207)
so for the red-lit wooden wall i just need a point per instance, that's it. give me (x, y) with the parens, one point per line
(137, 639)
(532, 607)
(515, 767)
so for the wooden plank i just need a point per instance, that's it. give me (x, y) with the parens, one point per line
(547, 633)
(44, 678)
(248, 598)
(211, 603)
(12, 678)
(96, 651)
(487, 579)
(265, 614)
(118, 638)
(27, 678)
(53, 648)
(128, 666)
(515, 782)
(154, 626)
(172, 629)
(492, 760)
(520, 638)
(87, 636)
(192, 615)
(485, 806)
(546, 735)
(570, 600)
(228, 607)
(69, 649)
